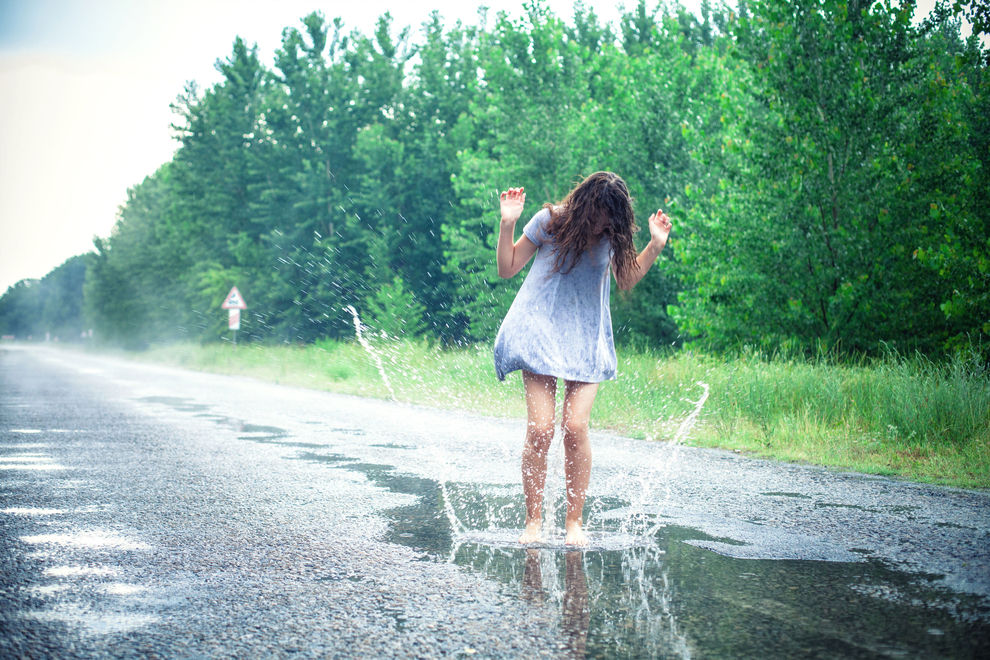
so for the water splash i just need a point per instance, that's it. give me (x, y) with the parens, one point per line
(681, 434)
(638, 521)
(674, 449)
(457, 527)
(358, 330)
(608, 527)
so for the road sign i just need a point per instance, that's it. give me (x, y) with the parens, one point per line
(233, 319)
(234, 300)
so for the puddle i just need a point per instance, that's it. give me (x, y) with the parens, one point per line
(668, 597)
(508, 538)
(264, 431)
(901, 508)
(423, 525)
(179, 403)
(839, 505)
(254, 432)
(678, 592)
(331, 459)
(955, 526)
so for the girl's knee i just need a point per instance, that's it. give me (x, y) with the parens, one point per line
(539, 435)
(574, 426)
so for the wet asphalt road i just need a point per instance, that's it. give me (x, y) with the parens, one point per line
(147, 510)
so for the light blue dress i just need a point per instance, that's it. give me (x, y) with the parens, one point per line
(559, 323)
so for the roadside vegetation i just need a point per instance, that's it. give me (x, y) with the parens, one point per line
(826, 165)
(900, 416)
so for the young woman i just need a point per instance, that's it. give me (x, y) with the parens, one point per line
(559, 325)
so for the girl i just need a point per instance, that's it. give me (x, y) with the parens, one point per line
(559, 325)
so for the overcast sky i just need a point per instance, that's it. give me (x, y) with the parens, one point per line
(85, 88)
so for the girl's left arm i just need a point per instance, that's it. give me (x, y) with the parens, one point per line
(659, 231)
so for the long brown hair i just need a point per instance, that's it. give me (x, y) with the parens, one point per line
(600, 206)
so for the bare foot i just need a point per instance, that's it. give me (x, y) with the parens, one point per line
(575, 535)
(533, 532)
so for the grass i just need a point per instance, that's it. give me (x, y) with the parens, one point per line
(905, 417)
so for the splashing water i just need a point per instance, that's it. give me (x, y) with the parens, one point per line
(609, 528)
(661, 472)
(441, 469)
(689, 421)
(358, 330)
(457, 527)
(637, 522)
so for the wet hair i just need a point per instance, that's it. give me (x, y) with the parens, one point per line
(600, 206)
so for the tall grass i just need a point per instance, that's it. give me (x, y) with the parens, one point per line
(896, 415)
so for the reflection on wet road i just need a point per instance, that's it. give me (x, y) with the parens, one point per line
(667, 597)
(148, 510)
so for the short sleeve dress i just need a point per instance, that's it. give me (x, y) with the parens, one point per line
(559, 323)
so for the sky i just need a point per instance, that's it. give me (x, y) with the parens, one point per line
(85, 90)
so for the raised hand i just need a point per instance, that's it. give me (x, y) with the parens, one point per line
(659, 228)
(511, 204)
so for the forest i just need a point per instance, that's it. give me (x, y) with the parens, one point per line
(826, 164)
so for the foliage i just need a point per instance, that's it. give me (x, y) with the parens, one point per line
(825, 163)
(47, 308)
(834, 171)
(394, 310)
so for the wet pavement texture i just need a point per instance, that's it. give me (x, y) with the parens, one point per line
(148, 510)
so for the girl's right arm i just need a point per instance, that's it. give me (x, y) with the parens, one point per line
(512, 256)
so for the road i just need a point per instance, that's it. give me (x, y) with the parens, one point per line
(151, 510)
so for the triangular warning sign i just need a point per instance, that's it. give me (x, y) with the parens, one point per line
(234, 300)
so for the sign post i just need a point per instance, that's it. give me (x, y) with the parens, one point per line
(234, 303)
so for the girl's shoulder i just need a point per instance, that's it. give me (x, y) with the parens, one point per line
(536, 228)
(547, 213)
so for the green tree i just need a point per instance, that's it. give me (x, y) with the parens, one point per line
(134, 289)
(808, 237)
(20, 310)
(50, 307)
(214, 180)
(950, 177)
(395, 311)
(62, 313)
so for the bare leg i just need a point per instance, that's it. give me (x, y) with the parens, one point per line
(532, 582)
(578, 399)
(577, 615)
(541, 395)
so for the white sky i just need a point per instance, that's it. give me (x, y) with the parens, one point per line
(85, 88)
